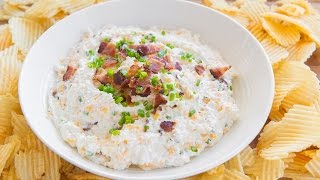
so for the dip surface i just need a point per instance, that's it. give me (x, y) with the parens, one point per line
(152, 98)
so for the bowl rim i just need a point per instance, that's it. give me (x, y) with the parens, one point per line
(196, 170)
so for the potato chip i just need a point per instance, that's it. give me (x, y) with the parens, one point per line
(305, 5)
(265, 169)
(289, 9)
(284, 34)
(29, 165)
(289, 82)
(301, 51)
(297, 175)
(275, 52)
(60, 15)
(10, 174)
(235, 163)
(309, 153)
(66, 167)
(43, 9)
(313, 166)
(24, 32)
(12, 10)
(5, 151)
(240, 17)
(216, 173)
(248, 156)
(9, 75)
(5, 37)
(20, 2)
(71, 6)
(298, 163)
(46, 23)
(85, 176)
(254, 10)
(4, 133)
(14, 140)
(307, 24)
(258, 31)
(52, 164)
(233, 174)
(11, 51)
(20, 128)
(8, 103)
(298, 129)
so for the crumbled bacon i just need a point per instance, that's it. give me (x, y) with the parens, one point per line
(109, 63)
(144, 50)
(107, 49)
(167, 126)
(70, 72)
(119, 78)
(133, 70)
(159, 100)
(199, 69)
(217, 72)
(102, 77)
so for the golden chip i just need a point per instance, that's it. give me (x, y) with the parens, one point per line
(29, 165)
(14, 140)
(4, 133)
(60, 15)
(71, 6)
(265, 169)
(43, 9)
(297, 175)
(52, 164)
(258, 31)
(284, 34)
(5, 37)
(289, 9)
(21, 129)
(248, 156)
(275, 52)
(24, 32)
(235, 163)
(9, 174)
(298, 129)
(5, 151)
(301, 51)
(12, 51)
(8, 103)
(9, 75)
(309, 153)
(20, 2)
(254, 10)
(298, 163)
(12, 10)
(66, 167)
(85, 176)
(233, 174)
(307, 24)
(313, 166)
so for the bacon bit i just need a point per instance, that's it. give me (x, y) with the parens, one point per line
(144, 50)
(218, 72)
(133, 70)
(70, 72)
(54, 93)
(159, 100)
(177, 66)
(199, 69)
(102, 77)
(169, 66)
(167, 126)
(155, 66)
(146, 92)
(109, 63)
(118, 78)
(107, 49)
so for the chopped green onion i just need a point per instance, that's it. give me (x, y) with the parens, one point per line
(162, 53)
(178, 95)
(149, 107)
(90, 52)
(124, 104)
(119, 100)
(163, 71)
(114, 132)
(148, 114)
(101, 87)
(145, 103)
(96, 63)
(172, 96)
(154, 80)
(168, 117)
(110, 72)
(145, 128)
(141, 113)
(128, 120)
(193, 149)
(192, 112)
(136, 103)
(163, 32)
(106, 39)
(170, 45)
(139, 89)
(133, 33)
(231, 88)
(142, 74)
(108, 89)
(198, 82)
(143, 41)
(186, 56)
(170, 86)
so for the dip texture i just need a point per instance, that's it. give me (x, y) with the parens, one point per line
(152, 98)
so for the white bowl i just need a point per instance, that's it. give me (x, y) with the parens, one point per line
(253, 88)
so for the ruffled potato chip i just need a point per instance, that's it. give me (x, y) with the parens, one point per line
(85, 176)
(43, 9)
(5, 37)
(8, 103)
(298, 129)
(248, 156)
(313, 166)
(25, 32)
(298, 175)
(234, 174)
(14, 140)
(29, 165)
(71, 6)
(301, 51)
(254, 10)
(283, 34)
(298, 163)
(9, 75)
(12, 10)
(20, 129)
(235, 163)
(5, 152)
(275, 52)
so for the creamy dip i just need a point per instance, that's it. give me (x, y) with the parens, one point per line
(152, 98)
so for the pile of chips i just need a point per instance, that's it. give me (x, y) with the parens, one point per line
(288, 146)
